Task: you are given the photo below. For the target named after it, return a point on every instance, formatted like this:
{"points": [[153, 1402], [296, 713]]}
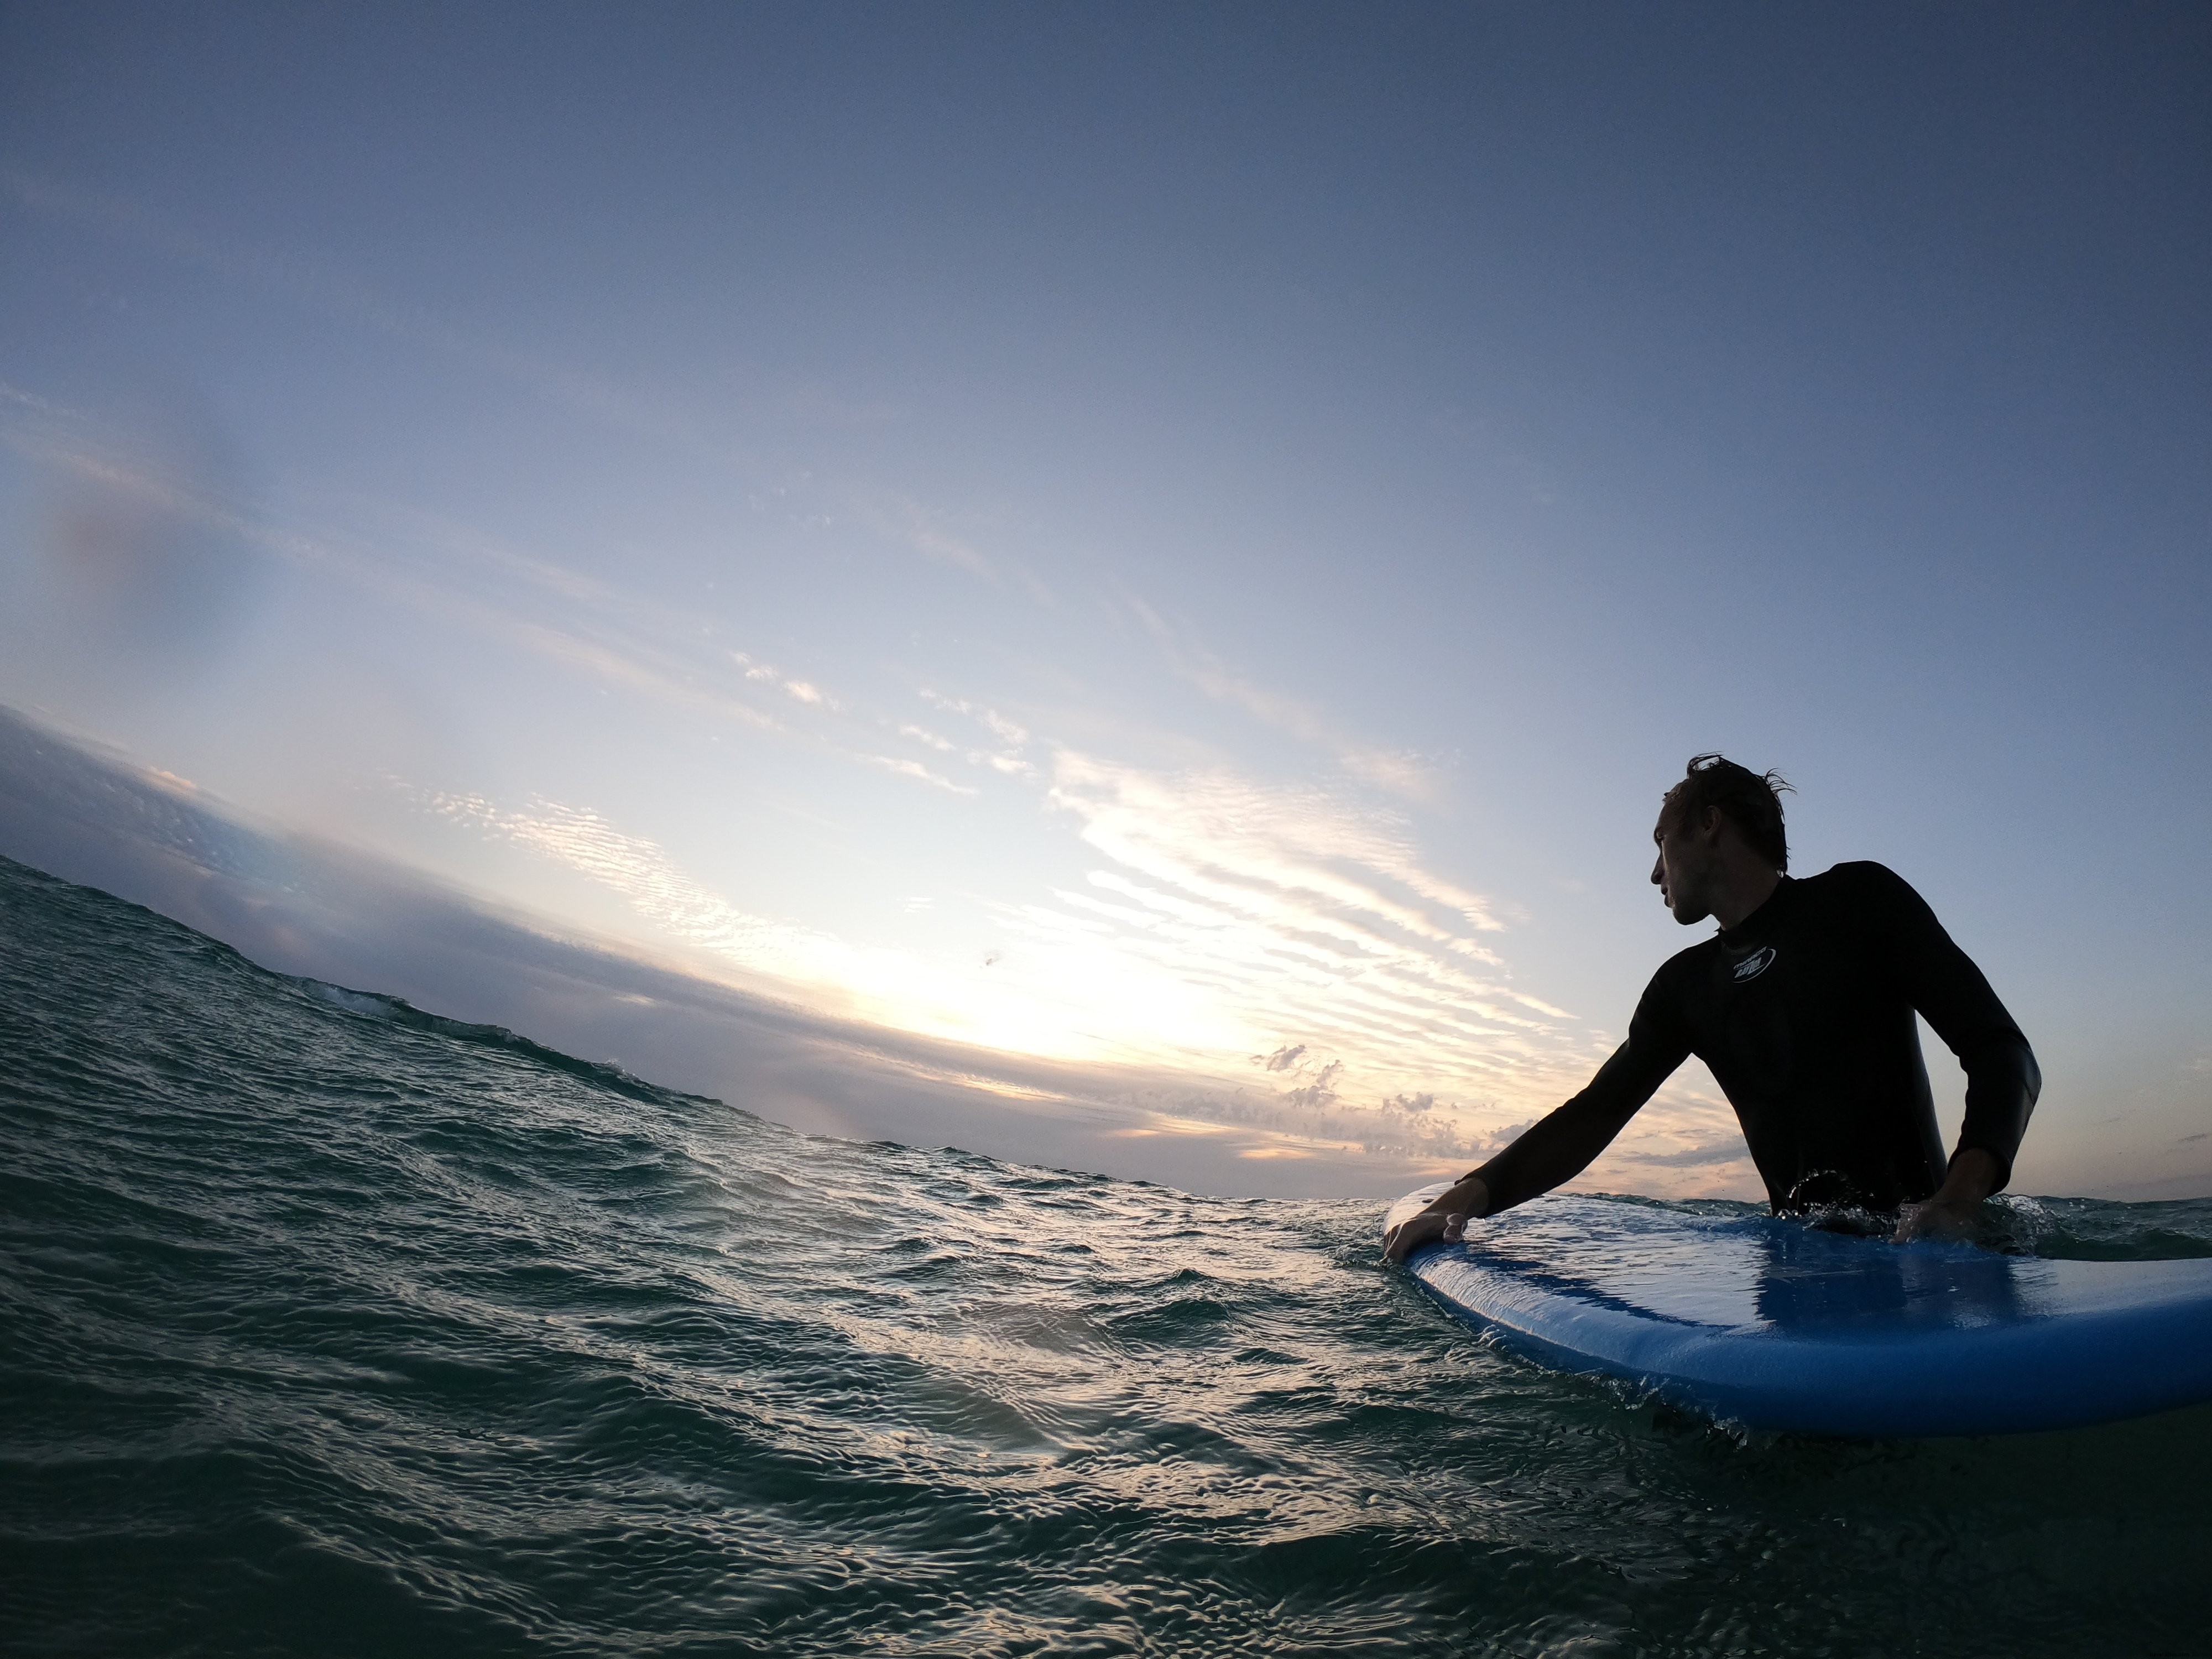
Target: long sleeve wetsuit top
{"points": [[1804, 1012]]}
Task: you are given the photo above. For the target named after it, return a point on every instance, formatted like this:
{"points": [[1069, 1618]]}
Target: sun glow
{"points": [[1221, 920]]}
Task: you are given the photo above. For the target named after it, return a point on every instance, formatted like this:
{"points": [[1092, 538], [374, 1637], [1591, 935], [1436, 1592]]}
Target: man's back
{"points": [[1804, 1013], [1803, 1007]]}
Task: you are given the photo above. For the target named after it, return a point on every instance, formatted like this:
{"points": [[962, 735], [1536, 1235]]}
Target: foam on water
{"points": [[328, 1326]]}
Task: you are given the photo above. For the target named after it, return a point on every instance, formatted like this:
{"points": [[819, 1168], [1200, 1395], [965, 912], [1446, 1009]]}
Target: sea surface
{"points": [[329, 1327]]}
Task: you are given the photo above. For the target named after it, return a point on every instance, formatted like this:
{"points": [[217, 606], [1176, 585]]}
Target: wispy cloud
{"points": [[1282, 933], [456, 576], [1006, 758], [1399, 771], [797, 690], [320, 286], [902, 767], [922, 735], [1297, 926], [943, 537], [908, 521], [585, 842], [1728, 1150], [308, 908], [1221, 917], [1224, 911]]}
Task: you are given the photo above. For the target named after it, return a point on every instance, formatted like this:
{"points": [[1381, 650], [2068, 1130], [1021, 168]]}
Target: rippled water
{"points": [[330, 1327]]}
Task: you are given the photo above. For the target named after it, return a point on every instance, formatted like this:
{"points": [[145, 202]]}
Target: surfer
{"points": [[1802, 1006]]}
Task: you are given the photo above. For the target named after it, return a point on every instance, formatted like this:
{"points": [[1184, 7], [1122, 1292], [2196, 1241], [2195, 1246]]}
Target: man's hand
{"points": [[1446, 1218], [1951, 1211]]}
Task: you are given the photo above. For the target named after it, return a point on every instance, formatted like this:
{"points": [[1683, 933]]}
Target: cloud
{"points": [[922, 735], [950, 549], [1222, 911], [906, 521], [798, 691], [456, 576], [309, 908], [1008, 759], [1301, 921], [638, 870], [1217, 916], [1114, 1054], [906, 768], [1731, 1150], [597, 632], [1399, 771], [1325, 1125]]}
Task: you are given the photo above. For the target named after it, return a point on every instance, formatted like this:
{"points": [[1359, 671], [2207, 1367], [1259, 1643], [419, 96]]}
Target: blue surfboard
{"points": [[1771, 1324]]}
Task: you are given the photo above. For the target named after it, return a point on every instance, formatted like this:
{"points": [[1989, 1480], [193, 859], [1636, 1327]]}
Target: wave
{"points": [[397, 1011], [331, 1326]]}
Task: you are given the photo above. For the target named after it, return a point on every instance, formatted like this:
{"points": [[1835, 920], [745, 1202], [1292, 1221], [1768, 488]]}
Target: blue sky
{"points": [[1166, 537]]}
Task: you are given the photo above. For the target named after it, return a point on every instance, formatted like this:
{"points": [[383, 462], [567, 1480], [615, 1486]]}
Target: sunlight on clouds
{"points": [[1299, 916], [906, 768], [1007, 759], [1280, 946], [586, 844], [1077, 986], [910, 990], [1283, 945], [930, 739]]}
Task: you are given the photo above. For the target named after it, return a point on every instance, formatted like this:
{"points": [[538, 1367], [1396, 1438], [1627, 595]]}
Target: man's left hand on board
{"points": [[1953, 1210]]}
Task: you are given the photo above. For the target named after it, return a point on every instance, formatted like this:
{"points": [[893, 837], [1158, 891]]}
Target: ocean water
{"points": [[328, 1326]]}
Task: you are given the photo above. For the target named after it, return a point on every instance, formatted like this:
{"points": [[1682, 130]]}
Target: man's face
{"points": [[1685, 868]]}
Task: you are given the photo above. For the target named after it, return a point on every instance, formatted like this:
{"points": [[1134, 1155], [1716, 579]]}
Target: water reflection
{"points": [[1809, 1279]]}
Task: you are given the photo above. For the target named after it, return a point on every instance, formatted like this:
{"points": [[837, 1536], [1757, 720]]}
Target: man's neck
{"points": [[1743, 889]]}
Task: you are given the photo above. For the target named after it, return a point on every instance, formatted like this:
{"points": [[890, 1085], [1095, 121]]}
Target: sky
{"points": [[1177, 544]]}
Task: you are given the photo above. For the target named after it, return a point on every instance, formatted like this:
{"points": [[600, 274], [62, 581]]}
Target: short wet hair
{"points": [[1750, 800]]}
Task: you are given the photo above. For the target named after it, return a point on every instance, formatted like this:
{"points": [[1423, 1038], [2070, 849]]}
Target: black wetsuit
{"points": [[1804, 1013]]}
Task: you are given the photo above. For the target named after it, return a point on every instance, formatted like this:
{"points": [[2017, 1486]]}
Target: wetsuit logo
{"points": [[1755, 965]]}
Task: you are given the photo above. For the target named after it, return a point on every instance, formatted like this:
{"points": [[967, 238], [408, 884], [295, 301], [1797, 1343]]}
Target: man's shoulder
{"points": [[1854, 881], [1685, 964], [1866, 901], [1854, 873]]}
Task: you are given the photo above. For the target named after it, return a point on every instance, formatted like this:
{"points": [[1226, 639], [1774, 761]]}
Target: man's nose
{"points": [[1659, 871]]}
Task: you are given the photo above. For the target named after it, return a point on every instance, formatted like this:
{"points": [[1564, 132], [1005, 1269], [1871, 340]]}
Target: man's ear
{"points": [[1714, 822]]}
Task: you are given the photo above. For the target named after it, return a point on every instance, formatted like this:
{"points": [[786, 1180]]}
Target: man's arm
{"points": [[2003, 1079], [1557, 1147]]}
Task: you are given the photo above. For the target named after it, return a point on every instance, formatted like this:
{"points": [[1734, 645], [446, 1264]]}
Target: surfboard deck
{"points": [[1769, 1324]]}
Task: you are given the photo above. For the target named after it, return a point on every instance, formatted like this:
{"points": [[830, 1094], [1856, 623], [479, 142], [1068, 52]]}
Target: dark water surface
{"points": [[327, 1326]]}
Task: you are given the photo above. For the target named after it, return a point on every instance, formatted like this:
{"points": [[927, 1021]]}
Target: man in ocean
{"points": [[1802, 1006]]}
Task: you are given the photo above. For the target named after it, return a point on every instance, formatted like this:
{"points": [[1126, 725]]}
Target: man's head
{"points": [[1720, 836]]}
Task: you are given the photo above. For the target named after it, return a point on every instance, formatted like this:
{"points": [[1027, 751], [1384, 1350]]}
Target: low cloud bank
{"points": [[305, 906]]}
